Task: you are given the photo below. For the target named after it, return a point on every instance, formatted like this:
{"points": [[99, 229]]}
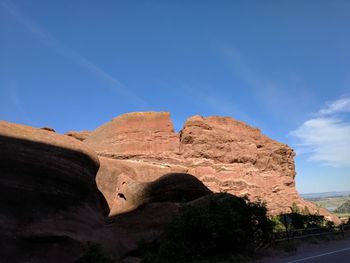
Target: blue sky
{"points": [[282, 66]]}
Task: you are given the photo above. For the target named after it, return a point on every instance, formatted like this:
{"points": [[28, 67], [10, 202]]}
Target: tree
{"points": [[306, 211], [218, 225], [295, 209]]}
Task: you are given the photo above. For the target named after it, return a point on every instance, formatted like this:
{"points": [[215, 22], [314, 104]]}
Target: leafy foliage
{"points": [[278, 226], [300, 221], [224, 224], [303, 219]]}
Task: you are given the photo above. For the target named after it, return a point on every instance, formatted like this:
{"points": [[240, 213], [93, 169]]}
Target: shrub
{"points": [[221, 225], [304, 219], [300, 221], [278, 226]]}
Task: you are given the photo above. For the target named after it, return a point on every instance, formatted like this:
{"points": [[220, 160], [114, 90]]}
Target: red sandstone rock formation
{"points": [[48, 129], [49, 204], [146, 134], [230, 156], [51, 208], [225, 154]]}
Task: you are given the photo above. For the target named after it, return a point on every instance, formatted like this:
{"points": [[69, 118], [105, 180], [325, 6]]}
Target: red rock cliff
{"points": [[225, 154]]}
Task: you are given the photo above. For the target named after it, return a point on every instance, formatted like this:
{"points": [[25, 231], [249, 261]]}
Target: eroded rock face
{"points": [[122, 181], [49, 204], [225, 154], [230, 156], [148, 134], [173, 187]]}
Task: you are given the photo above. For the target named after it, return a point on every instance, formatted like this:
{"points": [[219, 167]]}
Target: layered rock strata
{"points": [[225, 154]]}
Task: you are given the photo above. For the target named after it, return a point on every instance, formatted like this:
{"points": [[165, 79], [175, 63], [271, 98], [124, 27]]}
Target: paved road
{"points": [[331, 252]]}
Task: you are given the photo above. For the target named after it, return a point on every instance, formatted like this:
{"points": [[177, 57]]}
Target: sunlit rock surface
{"points": [[227, 155]]}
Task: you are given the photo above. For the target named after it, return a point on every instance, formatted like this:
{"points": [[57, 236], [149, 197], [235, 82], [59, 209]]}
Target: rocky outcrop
{"points": [[52, 211], [51, 208], [146, 134], [50, 205], [129, 194], [48, 129], [122, 181], [81, 136], [230, 156], [225, 154]]}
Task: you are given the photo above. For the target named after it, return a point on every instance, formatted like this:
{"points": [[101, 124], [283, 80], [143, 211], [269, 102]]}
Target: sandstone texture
{"points": [[147, 134], [49, 205], [173, 187], [227, 155]]}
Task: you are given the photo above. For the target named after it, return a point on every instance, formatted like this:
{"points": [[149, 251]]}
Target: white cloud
{"points": [[327, 137], [341, 105], [49, 40]]}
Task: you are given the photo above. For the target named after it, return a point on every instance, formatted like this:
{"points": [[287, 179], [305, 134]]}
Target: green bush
{"points": [[300, 221], [221, 225], [278, 225]]}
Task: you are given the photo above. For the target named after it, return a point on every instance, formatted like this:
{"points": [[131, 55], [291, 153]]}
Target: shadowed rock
{"points": [[49, 203], [173, 187], [142, 225], [158, 202]]}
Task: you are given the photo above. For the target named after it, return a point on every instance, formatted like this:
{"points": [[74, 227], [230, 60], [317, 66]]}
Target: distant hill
{"points": [[313, 196], [344, 208]]}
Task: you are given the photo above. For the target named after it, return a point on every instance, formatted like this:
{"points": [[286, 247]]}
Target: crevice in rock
{"points": [[121, 196]]}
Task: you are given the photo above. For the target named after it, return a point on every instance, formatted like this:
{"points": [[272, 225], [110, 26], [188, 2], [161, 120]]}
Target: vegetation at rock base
{"points": [[304, 219], [222, 225], [301, 219]]}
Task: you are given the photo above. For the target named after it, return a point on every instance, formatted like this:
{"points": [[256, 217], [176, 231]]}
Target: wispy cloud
{"points": [[327, 137], [273, 95], [49, 40], [338, 106]]}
